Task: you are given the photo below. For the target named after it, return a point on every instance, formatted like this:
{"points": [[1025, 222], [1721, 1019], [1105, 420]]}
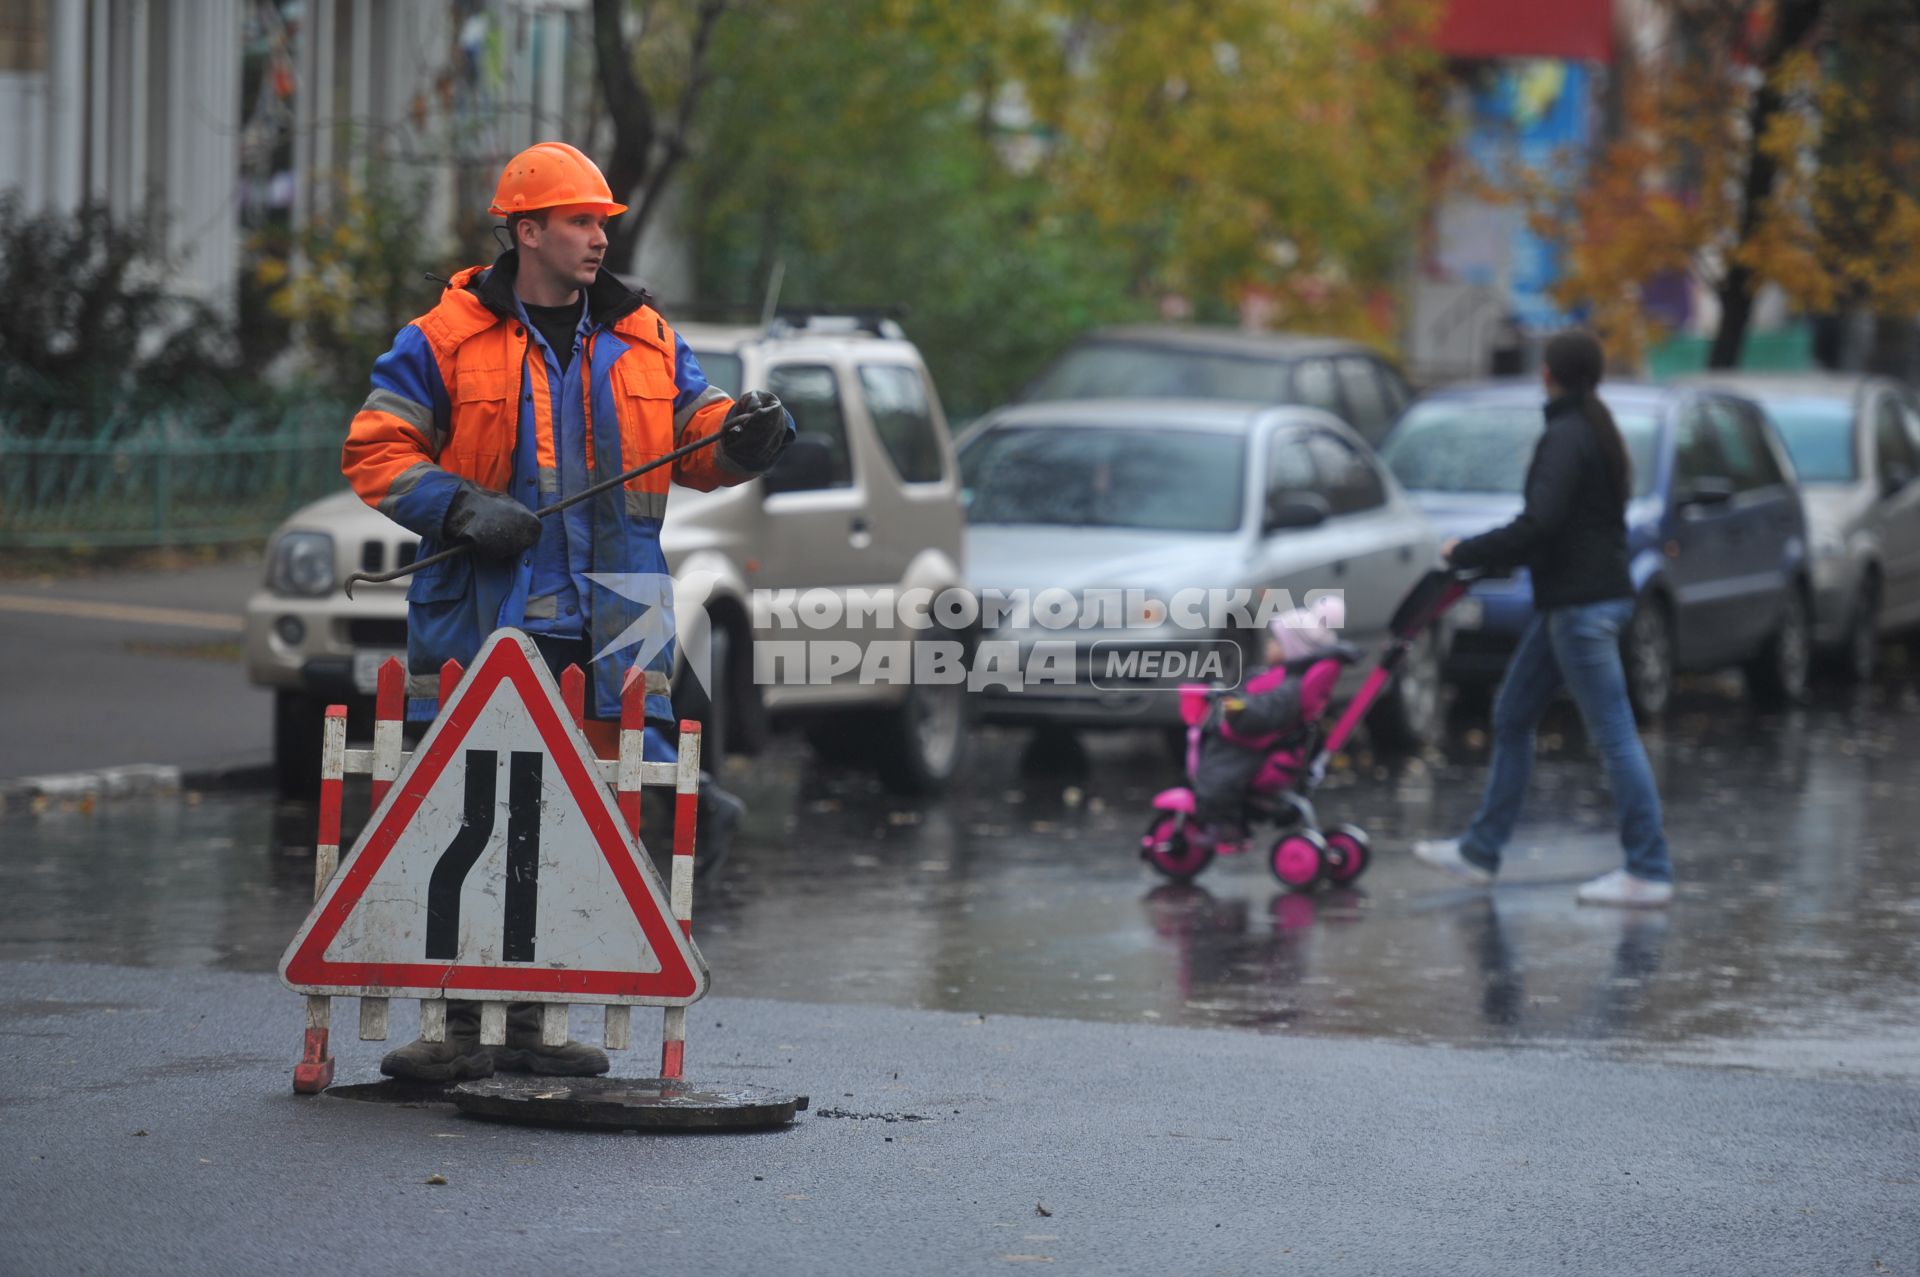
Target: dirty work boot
{"points": [[525, 1053], [460, 1058]]}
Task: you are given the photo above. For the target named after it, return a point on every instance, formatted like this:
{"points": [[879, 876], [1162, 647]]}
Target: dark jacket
{"points": [[1240, 731], [1572, 535]]}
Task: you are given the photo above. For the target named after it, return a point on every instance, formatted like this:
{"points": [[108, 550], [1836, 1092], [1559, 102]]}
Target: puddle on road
{"points": [[1792, 944]]}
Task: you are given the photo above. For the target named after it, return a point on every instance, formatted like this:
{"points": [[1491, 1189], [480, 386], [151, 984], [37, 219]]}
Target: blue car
{"points": [[1716, 537]]}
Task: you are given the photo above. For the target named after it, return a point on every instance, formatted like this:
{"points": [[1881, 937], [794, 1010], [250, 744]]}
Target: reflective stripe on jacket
{"points": [[449, 401]]}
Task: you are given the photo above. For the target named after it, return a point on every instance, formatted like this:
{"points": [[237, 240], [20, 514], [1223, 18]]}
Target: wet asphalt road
{"points": [[1794, 944], [1022, 1049]]}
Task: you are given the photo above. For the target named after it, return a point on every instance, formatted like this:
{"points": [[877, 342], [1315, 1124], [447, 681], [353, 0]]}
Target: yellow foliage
{"points": [[1667, 195], [1269, 145]]}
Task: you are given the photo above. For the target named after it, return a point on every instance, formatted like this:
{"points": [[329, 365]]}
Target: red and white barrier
{"points": [[628, 774]]}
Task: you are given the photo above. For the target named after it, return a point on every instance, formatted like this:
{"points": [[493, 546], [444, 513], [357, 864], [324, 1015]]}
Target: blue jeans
{"points": [[1580, 646]]}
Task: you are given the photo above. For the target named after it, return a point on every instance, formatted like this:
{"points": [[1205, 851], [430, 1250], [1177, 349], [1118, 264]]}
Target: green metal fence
{"points": [[191, 471]]}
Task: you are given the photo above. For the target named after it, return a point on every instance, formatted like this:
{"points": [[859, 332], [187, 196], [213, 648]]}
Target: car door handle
{"points": [[1338, 568], [1406, 554], [859, 533]]}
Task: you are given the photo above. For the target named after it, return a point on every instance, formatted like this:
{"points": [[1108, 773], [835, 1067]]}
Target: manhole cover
{"points": [[626, 1104]]}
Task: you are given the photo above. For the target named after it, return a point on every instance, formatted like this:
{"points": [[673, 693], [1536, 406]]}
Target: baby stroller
{"points": [[1179, 845]]}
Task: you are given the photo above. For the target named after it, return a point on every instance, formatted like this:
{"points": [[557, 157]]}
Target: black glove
{"points": [[755, 433], [498, 526]]}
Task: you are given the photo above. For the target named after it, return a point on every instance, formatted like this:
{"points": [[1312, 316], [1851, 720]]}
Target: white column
{"points": [[99, 99], [179, 42], [215, 143], [550, 112], [303, 61], [66, 105], [326, 35], [359, 86], [139, 57]]}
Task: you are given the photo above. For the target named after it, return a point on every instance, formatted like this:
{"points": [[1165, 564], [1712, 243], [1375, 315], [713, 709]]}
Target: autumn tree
{"points": [[651, 58], [1269, 144], [1015, 171], [1770, 142]]}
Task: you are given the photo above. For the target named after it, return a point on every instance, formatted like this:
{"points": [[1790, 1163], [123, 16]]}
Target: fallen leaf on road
{"points": [[140, 1132], [1042, 1211], [436, 1179]]}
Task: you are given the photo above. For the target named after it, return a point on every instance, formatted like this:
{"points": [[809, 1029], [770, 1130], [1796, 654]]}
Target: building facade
{"points": [[236, 115]]}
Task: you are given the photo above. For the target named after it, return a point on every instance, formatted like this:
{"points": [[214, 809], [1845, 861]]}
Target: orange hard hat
{"points": [[548, 175]]}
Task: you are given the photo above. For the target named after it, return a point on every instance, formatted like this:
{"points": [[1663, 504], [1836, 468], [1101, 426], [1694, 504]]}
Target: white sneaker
{"points": [[1623, 889], [1444, 854]]}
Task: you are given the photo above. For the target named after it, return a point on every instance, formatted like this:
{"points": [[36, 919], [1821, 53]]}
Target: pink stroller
{"points": [[1180, 845]]}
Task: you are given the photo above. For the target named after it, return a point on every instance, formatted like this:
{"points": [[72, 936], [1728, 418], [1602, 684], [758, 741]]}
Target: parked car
{"points": [[1163, 497], [867, 498], [1716, 537], [1855, 442], [1171, 361]]}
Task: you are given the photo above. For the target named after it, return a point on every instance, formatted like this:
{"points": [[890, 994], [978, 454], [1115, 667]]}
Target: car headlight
{"points": [[302, 564]]}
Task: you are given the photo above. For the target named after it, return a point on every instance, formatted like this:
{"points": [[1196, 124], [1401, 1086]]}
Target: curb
{"points": [[133, 780]]}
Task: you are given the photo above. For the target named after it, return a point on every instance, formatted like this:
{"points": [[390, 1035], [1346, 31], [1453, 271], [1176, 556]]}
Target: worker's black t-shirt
{"points": [[557, 325]]}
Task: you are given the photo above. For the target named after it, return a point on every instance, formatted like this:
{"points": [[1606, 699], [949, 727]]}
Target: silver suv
{"points": [[865, 504]]}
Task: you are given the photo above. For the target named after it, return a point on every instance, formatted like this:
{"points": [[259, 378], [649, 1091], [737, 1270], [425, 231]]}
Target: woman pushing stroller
{"points": [[1572, 539]]}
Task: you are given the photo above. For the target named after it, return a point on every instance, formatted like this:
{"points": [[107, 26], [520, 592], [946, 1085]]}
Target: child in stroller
{"points": [[1255, 741], [1260, 761], [1254, 754]]}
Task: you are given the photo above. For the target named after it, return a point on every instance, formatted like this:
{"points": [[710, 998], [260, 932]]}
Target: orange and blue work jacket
{"points": [[469, 392]]}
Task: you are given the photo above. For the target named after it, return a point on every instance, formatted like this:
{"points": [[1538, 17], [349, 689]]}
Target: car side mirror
{"points": [[805, 466], [1296, 510], [1707, 490]]}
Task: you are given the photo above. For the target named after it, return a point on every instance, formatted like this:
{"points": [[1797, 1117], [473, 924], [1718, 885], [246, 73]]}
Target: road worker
{"points": [[529, 380]]}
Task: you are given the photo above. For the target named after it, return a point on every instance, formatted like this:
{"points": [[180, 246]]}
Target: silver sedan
{"points": [[1855, 443], [1195, 522]]}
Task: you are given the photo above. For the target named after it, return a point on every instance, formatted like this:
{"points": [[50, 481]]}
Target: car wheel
{"points": [[920, 745], [298, 720], [1778, 675], [1646, 654], [1408, 716], [1862, 653]]}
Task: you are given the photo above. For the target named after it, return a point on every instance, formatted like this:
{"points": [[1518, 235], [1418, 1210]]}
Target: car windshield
{"points": [[1121, 370], [1819, 437], [722, 370], [1106, 477], [1469, 447]]}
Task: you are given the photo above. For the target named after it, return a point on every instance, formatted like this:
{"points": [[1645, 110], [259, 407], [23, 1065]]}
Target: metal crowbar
{"points": [[574, 500]]}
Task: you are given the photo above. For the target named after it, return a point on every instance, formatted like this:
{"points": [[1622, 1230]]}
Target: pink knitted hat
{"points": [[1304, 631]]}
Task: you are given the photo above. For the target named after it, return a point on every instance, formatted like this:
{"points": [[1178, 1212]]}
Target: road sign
{"points": [[498, 867]]}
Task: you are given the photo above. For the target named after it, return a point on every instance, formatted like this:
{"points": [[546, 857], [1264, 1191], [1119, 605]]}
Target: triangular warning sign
{"points": [[498, 867]]}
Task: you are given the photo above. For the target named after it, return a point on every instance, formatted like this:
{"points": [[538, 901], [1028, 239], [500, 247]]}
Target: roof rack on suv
{"points": [[880, 321]]}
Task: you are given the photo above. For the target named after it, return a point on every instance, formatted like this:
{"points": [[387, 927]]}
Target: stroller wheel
{"points": [[1349, 853], [1299, 859], [1167, 848]]}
